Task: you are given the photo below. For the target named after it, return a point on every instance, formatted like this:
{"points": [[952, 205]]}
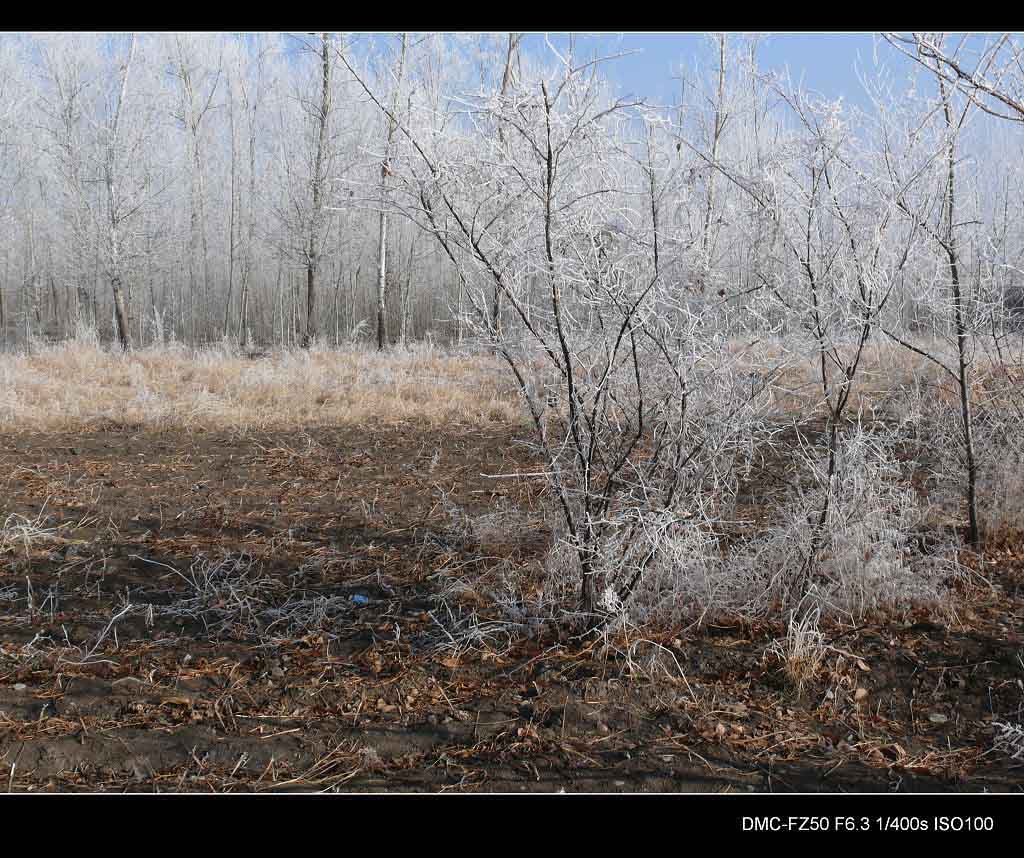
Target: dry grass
{"points": [[76, 385], [803, 650], [885, 372]]}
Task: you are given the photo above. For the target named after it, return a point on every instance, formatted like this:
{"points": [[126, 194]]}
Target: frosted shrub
{"points": [[858, 559], [931, 420], [862, 558], [686, 580], [999, 442], [665, 570]]}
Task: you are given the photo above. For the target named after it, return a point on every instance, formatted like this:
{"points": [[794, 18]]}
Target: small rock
{"points": [[860, 694], [20, 686], [937, 718]]}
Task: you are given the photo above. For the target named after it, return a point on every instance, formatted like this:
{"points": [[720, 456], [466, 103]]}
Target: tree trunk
{"points": [[706, 247], [316, 214], [243, 310], [963, 362], [121, 314], [511, 56], [382, 232], [382, 257], [231, 215]]}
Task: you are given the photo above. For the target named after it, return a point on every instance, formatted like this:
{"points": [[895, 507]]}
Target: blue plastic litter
{"points": [[360, 599]]}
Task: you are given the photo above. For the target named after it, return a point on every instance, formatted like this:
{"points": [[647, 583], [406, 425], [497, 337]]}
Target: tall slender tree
{"points": [[390, 124], [318, 211]]}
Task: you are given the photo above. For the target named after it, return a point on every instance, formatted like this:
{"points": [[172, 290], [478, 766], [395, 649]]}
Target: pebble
{"points": [[20, 686], [937, 718]]}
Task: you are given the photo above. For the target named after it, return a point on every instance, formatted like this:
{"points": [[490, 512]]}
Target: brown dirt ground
{"points": [[192, 696]]}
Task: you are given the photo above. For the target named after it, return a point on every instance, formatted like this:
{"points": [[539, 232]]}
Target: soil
{"points": [[301, 620]]}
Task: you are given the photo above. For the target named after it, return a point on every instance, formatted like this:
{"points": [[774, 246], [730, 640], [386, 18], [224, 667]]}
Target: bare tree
{"points": [[846, 252], [637, 417], [943, 230], [198, 88], [318, 209], [391, 126], [989, 74], [718, 127], [251, 94], [115, 208], [512, 66]]}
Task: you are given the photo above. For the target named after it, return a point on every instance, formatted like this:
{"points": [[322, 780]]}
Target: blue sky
{"points": [[826, 61]]}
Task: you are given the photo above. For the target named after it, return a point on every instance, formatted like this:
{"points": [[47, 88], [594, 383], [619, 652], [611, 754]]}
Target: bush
{"points": [[863, 559]]}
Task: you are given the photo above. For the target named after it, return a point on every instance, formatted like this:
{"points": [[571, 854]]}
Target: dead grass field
{"points": [[209, 580], [77, 386]]}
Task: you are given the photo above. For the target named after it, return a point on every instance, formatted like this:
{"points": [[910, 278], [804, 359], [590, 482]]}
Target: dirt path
{"points": [[304, 611]]}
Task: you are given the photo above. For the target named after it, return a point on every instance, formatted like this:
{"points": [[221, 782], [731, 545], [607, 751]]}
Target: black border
{"points": [[492, 822]]}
